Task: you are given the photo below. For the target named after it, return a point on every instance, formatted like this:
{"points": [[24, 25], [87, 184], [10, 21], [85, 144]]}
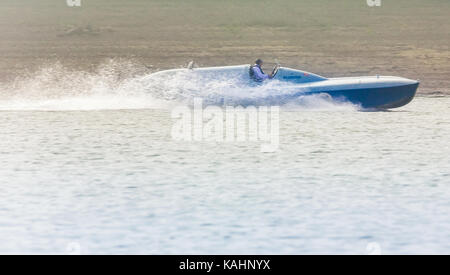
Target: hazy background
{"points": [[407, 38]]}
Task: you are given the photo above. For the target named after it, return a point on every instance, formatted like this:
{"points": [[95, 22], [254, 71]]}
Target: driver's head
{"points": [[259, 62]]}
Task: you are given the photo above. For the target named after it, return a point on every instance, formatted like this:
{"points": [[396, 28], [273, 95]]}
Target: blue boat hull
{"points": [[377, 98], [366, 98]]}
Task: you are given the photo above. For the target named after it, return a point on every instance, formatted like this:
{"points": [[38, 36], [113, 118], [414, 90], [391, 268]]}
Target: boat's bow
{"points": [[382, 92]]}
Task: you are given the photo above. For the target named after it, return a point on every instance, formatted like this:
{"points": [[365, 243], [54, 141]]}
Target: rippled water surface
{"points": [[113, 181]]}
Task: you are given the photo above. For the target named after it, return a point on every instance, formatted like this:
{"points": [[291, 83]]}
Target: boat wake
{"points": [[124, 85]]}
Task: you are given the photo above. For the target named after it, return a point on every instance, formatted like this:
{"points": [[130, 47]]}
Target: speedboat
{"points": [[368, 92]]}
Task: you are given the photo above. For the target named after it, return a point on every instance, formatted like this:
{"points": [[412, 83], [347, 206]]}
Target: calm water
{"points": [[114, 182]]}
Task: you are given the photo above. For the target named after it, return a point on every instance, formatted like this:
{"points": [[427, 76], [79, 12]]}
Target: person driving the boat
{"points": [[257, 73]]}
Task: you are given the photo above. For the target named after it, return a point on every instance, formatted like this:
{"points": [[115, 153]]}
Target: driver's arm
{"points": [[259, 75]]}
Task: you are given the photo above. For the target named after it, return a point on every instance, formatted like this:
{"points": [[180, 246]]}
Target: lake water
{"points": [[114, 181]]}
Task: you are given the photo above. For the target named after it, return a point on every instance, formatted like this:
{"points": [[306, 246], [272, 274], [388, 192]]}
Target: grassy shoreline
{"points": [[332, 38]]}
